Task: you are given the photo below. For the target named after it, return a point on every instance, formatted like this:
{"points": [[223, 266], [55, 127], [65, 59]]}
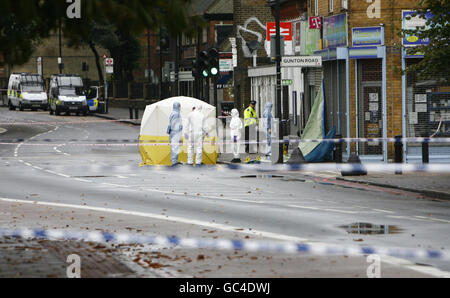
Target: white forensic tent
{"points": [[154, 140]]}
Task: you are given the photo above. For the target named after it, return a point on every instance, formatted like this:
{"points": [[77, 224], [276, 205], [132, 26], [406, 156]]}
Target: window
{"points": [[205, 35], [223, 32], [330, 5]]}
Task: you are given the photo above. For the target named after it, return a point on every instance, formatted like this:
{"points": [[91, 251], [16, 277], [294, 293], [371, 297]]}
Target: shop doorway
{"points": [[370, 118]]}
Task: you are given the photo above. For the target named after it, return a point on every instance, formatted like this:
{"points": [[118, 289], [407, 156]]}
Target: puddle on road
{"points": [[362, 228]]}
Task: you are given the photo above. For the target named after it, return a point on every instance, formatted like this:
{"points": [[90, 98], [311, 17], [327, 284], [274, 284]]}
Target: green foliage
{"points": [[36, 19], [436, 62]]}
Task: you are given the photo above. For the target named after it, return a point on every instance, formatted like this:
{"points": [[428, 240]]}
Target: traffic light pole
{"points": [[215, 96], [278, 60]]}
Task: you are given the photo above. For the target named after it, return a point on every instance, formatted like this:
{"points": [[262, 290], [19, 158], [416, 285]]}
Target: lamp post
{"points": [[278, 62]]}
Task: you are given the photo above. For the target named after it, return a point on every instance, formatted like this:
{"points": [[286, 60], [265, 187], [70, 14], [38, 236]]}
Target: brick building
{"points": [[250, 18], [366, 96]]}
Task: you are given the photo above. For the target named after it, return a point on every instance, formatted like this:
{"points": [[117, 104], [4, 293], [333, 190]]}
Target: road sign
{"points": [[104, 56], [285, 30], [109, 62], [286, 82], [301, 61], [109, 69], [39, 65]]}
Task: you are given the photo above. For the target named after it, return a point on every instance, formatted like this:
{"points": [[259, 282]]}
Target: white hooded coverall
{"points": [[236, 128], [196, 130]]}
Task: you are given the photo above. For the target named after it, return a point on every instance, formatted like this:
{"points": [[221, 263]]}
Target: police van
{"points": [[27, 91], [93, 98], [67, 95]]}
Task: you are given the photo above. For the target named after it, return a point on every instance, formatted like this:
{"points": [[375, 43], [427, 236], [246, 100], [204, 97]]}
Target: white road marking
{"points": [[432, 218], [115, 185], [406, 217], [304, 207], [82, 180], [341, 211], [223, 227], [412, 266], [384, 211]]}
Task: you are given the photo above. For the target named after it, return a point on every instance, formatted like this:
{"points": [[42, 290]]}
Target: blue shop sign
{"points": [[411, 20], [368, 36]]}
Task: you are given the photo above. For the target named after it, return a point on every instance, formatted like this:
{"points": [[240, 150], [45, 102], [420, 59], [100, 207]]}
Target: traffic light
{"points": [[195, 68], [204, 64], [213, 62], [207, 64]]}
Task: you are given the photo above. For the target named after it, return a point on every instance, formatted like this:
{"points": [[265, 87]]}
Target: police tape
{"points": [[125, 142], [224, 244], [264, 169]]}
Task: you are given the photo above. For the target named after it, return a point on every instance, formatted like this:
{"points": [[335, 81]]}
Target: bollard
{"points": [[398, 146], [338, 150], [136, 113], [425, 152], [131, 112]]}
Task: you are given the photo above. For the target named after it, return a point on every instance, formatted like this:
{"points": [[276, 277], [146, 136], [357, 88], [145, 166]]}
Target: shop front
{"points": [[425, 103], [369, 54]]}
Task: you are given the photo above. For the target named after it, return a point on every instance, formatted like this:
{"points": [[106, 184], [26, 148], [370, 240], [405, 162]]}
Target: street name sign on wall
{"points": [[301, 61]]}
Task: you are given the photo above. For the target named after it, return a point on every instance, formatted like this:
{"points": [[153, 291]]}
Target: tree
{"points": [[93, 35], [44, 17], [436, 61], [17, 39]]}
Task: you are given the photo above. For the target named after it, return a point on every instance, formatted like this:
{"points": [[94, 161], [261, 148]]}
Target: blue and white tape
{"points": [[263, 167], [225, 244], [134, 142]]}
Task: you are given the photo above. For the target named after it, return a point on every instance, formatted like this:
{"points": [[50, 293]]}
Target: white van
{"points": [[27, 91], [66, 94]]}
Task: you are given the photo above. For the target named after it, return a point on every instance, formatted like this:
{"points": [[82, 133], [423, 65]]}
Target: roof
{"points": [[220, 7], [199, 7]]}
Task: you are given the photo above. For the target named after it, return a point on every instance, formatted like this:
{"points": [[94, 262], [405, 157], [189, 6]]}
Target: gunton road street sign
{"points": [[301, 61]]}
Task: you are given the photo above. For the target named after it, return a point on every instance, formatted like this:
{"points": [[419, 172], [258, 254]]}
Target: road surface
{"points": [[54, 177]]}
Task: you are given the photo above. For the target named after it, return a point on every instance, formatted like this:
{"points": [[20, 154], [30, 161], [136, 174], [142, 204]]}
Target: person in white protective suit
{"points": [[175, 130], [236, 132], [267, 124], [196, 131]]}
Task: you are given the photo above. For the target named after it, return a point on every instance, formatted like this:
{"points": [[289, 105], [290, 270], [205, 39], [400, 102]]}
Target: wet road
{"points": [[51, 165]]}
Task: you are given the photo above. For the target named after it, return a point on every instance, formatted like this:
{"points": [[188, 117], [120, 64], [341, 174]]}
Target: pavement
{"points": [[427, 184], [122, 114]]}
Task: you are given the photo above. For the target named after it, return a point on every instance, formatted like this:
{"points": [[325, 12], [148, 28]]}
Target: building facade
{"points": [[366, 95]]}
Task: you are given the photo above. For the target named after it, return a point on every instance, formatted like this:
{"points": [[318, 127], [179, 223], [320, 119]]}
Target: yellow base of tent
{"points": [[153, 154]]}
